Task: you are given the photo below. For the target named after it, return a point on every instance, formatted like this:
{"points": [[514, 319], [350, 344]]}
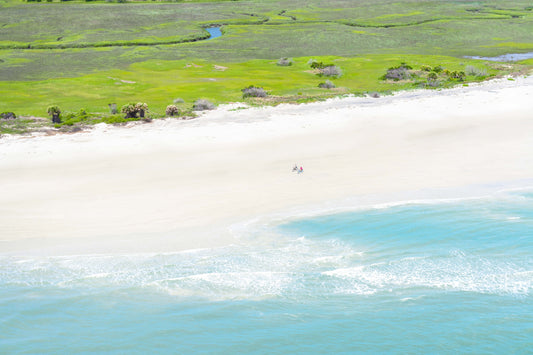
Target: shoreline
{"points": [[176, 185]]}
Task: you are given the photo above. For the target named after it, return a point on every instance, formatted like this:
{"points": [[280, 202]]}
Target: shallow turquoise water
{"points": [[442, 277]]}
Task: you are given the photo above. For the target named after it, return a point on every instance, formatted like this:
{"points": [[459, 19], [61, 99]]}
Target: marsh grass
{"points": [[158, 83], [363, 38]]}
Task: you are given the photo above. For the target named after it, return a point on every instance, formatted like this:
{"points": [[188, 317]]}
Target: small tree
{"points": [[172, 110], [55, 112]]}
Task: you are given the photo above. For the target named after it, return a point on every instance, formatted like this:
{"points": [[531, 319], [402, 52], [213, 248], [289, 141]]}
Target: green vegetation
{"points": [[90, 55]]}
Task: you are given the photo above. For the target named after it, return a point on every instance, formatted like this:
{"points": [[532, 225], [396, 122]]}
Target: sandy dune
{"points": [[172, 185]]}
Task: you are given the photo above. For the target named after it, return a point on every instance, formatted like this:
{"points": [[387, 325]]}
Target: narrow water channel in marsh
{"points": [[214, 32]]}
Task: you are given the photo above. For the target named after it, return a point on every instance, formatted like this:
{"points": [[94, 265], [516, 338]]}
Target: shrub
{"points": [[318, 65], [178, 100], [471, 70], [331, 70], [252, 91], [432, 76], [8, 115], [55, 112], [326, 85], [437, 69], [129, 110], [172, 110], [202, 104], [400, 72], [141, 108], [285, 62], [459, 75], [425, 68], [132, 110]]}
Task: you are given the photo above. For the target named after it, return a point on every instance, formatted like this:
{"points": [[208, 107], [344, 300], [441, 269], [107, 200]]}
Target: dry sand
{"points": [[173, 185]]}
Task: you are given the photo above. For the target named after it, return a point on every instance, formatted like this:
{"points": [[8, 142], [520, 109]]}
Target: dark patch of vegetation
{"points": [[55, 112], [253, 91], [8, 116], [132, 110], [319, 65]]}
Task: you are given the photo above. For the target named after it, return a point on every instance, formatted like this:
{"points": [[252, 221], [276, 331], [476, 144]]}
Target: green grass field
{"points": [[89, 54]]}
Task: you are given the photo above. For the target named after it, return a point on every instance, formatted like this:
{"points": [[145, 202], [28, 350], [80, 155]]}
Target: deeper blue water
{"points": [[441, 277]]}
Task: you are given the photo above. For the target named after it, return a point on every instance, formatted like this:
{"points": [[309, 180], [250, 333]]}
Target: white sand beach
{"points": [[173, 184]]}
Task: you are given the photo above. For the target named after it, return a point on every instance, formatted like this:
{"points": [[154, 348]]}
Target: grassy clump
{"points": [[475, 71]]}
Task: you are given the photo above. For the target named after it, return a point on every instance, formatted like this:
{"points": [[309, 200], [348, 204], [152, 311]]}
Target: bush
{"points": [[202, 105], [252, 91], [326, 85], [172, 110], [459, 75], [178, 100], [132, 110], [285, 62], [471, 70], [55, 112], [331, 70], [432, 76], [437, 69], [318, 65], [425, 68], [8, 115], [400, 72]]}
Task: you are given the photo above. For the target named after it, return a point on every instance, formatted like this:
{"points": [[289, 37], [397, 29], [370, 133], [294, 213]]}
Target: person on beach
{"points": [[295, 168], [301, 170]]}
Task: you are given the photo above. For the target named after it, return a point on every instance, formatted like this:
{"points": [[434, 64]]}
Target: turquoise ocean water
{"points": [[434, 277]]}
